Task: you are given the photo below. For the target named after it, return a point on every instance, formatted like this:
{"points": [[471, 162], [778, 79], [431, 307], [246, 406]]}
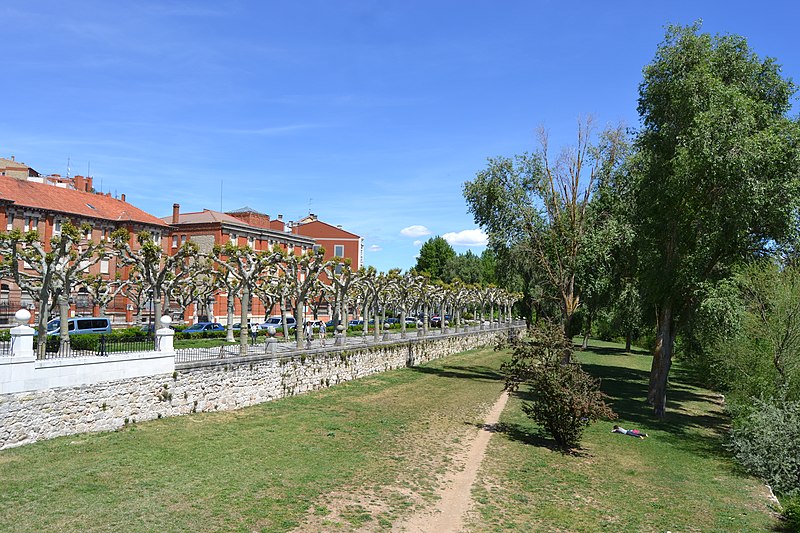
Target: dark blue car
{"points": [[204, 326]]}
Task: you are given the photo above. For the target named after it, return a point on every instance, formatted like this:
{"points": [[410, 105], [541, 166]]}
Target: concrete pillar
{"points": [[165, 335]]}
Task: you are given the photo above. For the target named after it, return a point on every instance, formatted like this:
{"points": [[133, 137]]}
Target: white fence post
{"points": [[22, 335], [165, 336]]}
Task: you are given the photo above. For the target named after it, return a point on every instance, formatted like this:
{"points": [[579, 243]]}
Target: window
{"points": [[233, 238], [27, 226], [104, 266], [10, 225], [183, 240], [315, 247], [174, 241], [157, 238], [88, 233], [251, 242], [57, 226], [35, 223], [338, 250]]}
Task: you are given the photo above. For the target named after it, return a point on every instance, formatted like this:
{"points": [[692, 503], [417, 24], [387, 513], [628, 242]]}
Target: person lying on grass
{"points": [[631, 432]]}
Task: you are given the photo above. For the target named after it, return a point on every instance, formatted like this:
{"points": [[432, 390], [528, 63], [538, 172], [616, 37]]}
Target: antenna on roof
{"points": [[67, 166], [309, 205], [88, 169]]}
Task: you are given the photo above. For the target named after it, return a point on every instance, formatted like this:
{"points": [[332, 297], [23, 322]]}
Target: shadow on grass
{"points": [[627, 392], [464, 372], [523, 434]]}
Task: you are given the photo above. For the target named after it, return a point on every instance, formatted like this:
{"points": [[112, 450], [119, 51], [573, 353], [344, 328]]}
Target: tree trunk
{"points": [[586, 333], [566, 357], [63, 314], [156, 311], [628, 341], [231, 309], [244, 331], [662, 361]]}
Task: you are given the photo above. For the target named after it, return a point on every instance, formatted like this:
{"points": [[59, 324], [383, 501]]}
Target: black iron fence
{"points": [[96, 345]]}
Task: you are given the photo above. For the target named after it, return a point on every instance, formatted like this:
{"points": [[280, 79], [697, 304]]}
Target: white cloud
{"points": [[467, 237], [415, 231], [418, 243], [374, 248]]}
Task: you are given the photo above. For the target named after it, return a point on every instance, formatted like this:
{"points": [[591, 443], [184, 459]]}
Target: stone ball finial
{"points": [[22, 316], [166, 320], [271, 331], [386, 325], [340, 328]]}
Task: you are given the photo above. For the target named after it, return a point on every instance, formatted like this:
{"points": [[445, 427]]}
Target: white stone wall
{"points": [[218, 385]]}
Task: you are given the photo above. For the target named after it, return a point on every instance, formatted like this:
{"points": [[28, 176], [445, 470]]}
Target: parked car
{"points": [[413, 321], [355, 323], [237, 326], [392, 320], [204, 326], [436, 320], [80, 326], [277, 322]]}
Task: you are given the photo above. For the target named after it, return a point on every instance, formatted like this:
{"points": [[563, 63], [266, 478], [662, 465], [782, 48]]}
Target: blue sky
{"points": [[369, 114]]}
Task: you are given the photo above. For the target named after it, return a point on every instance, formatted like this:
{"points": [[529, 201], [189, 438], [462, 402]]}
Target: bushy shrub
{"points": [[791, 512], [564, 399], [766, 440]]}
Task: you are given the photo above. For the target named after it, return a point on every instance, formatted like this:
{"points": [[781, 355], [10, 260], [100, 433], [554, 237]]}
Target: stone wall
{"points": [[216, 385]]}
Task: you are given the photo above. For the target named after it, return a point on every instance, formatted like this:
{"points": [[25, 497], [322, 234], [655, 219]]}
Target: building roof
{"points": [[246, 209], [318, 229], [207, 216], [72, 202]]}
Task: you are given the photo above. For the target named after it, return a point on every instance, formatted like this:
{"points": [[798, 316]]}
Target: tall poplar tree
{"points": [[717, 169]]}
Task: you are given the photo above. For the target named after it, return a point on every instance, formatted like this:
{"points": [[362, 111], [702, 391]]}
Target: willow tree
{"points": [[717, 170], [541, 202]]}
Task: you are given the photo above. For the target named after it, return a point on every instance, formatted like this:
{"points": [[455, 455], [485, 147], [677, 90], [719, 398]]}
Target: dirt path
{"points": [[456, 494]]}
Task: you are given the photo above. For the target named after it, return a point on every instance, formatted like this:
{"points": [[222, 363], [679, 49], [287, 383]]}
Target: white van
{"points": [[80, 326]]}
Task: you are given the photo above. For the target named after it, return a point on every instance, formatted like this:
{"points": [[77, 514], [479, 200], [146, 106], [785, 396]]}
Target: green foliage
{"points": [[564, 399], [746, 333], [766, 439], [434, 256], [716, 168], [791, 512]]}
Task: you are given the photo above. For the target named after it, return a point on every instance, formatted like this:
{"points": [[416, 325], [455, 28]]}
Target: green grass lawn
{"points": [[678, 479], [365, 453]]}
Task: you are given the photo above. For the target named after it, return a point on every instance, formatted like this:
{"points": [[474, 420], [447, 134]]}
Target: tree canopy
{"points": [[716, 166]]}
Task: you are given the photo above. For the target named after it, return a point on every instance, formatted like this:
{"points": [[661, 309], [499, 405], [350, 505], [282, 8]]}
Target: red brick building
{"points": [[32, 201], [336, 241], [31, 204]]}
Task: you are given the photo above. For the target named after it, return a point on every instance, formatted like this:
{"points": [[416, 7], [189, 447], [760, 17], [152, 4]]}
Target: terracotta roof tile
{"points": [[72, 202]]}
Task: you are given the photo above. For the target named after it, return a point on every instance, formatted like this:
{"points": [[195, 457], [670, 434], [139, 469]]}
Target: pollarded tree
{"points": [[246, 266], [50, 270], [158, 269], [341, 277], [300, 274], [717, 167], [103, 291]]}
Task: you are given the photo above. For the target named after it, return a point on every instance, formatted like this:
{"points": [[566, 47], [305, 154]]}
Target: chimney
{"points": [[176, 210], [280, 217], [122, 197], [78, 183], [12, 158], [88, 184]]}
